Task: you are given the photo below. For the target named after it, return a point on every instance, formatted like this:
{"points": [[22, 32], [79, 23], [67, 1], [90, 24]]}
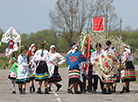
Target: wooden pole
{"points": [[120, 26], [98, 16]]}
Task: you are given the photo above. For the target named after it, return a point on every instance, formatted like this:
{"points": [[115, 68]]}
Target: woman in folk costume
{"points": [[94, 74], [13, 70], [22, 72], [128, 74], [74, 58], [41, 57], [108, 83], [30, 55], [54, 76]]}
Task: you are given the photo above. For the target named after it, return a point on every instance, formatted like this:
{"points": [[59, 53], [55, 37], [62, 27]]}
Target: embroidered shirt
{"points": [[93, 56], [38, 57]]}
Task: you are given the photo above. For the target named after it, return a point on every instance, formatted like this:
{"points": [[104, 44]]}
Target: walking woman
{"points": [[128, 74], [32, 68], [41, 57], [53, 67], [22, 72], [13, 70], [74, 58]]}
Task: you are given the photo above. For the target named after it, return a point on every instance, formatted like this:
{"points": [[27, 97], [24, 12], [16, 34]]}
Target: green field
{"points": [[4, 62]]}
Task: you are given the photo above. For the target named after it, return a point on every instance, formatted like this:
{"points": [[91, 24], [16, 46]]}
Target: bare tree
{"points": [[111, 20], [70, 16]]}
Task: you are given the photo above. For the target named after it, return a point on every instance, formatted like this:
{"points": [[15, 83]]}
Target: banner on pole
{"points": [[98, 24]]}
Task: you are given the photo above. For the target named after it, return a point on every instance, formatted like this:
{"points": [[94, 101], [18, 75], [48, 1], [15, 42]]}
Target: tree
{"points": [[70, 16], [105, 7]]}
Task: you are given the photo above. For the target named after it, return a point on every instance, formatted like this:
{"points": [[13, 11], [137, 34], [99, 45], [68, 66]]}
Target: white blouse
{"points": [[128, 55], [93, 56], [38, 57], [54, 57]]}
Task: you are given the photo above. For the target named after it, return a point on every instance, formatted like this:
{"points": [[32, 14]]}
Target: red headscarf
{"points": [[29, 53]]}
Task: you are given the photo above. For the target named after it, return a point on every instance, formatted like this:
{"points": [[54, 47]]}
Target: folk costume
{"points": [[42, 73], [54, 76], [95, 76], [128, 74], [23, 71], [74, 58], [41, 57], [13, 69], [32, 68], [13, 72]]}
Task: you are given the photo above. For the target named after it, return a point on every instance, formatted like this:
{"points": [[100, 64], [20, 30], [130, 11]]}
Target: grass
{"points": [[4, 62], [63, 65]]}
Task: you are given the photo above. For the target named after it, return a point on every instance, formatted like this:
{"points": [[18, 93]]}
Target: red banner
{"points": [[98, 24]]}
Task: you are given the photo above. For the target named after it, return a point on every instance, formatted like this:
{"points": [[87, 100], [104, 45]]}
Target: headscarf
{"points": [[29, 53]]}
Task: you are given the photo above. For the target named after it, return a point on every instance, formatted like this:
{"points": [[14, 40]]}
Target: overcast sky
{"points": [[28, 16]]}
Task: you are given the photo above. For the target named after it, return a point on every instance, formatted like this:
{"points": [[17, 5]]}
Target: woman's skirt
{"points": [[55, 77], [129, 73], [22, 76], [74, 76], [41, 71], [32, 71], [12, 76], [109, 81]]}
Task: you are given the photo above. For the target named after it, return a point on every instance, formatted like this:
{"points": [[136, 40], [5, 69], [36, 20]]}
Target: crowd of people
{"points": [[42, 66]]}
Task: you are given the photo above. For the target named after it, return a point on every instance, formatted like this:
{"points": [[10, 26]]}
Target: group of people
{"points": [[42, 65]]}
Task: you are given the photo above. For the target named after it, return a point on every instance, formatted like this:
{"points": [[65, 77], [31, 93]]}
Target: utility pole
{"points": [[120, 26]]}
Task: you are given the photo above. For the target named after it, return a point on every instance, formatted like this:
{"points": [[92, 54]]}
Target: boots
{"points": [[20, 90], [109, 91], [58, 87], [24, 91], [104, 91], [113, 89], [127, 89], [49, 89], [31, 90], [46, 92], [39, 91], [123, 91]]}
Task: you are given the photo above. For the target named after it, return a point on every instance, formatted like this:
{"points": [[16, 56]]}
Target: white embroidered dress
{"points": [[53, 58], [23, 71]]}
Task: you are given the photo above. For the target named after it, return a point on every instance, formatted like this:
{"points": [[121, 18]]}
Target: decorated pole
{"points": [[87, 52]]}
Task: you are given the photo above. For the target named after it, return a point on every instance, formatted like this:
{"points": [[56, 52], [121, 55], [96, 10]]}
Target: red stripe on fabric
{"points": [[130, 73], [74, 76]]}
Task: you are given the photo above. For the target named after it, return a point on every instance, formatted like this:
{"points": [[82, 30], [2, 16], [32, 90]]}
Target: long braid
{"points": [[42, 52]]}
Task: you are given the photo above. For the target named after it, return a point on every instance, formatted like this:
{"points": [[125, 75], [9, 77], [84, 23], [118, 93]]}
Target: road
{"points": [[62, 95]]}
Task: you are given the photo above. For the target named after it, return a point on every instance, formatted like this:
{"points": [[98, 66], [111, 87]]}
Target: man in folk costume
{"points": [[54, 76], [22, 72], [32, 68], [94, 73], [41, 57], [74, 58], [128, 74], [13, 70]]}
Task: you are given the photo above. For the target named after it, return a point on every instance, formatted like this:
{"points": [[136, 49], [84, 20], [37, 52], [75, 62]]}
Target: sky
{"points": [[28, 16]]}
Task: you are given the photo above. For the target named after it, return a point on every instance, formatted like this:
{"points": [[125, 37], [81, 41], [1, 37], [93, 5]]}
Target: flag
{"points": [[98, 24]]}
